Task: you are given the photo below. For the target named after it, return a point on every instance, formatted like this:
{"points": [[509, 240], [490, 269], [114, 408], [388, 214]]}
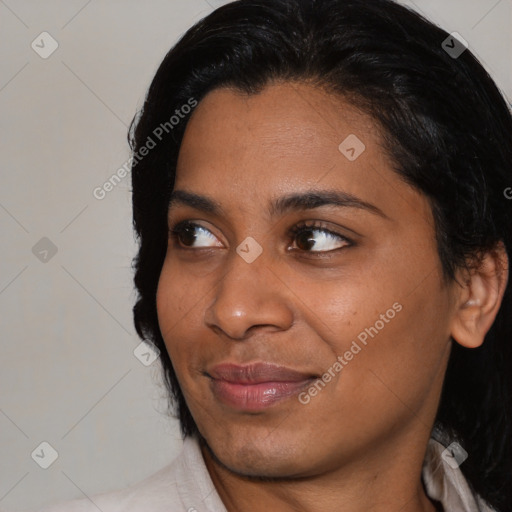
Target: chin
{"points": [[259, 455]]}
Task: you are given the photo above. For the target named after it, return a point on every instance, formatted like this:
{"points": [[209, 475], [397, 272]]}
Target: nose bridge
{"points": [[248, 294]]}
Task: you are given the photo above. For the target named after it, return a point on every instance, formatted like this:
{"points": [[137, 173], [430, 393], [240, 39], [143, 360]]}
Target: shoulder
{"points": [[178, 486], [153, 494]]}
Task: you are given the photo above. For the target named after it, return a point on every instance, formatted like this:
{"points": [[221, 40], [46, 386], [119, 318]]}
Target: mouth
{"points": [[256, 386]]}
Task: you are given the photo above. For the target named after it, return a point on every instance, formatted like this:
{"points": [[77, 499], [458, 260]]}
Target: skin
{"points": [[361, 440]]}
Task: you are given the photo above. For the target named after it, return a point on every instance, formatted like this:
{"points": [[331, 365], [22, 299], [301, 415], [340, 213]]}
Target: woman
{"points": [[319, 192]]}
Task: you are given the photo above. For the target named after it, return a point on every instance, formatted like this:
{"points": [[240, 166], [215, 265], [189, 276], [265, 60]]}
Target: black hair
{"points": [[447, 129]]}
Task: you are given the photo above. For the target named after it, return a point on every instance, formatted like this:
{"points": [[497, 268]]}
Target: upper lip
{"points": [[256, 373]]}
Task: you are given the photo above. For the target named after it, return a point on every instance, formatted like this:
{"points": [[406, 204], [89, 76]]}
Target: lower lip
{"points": [[255, 397]]}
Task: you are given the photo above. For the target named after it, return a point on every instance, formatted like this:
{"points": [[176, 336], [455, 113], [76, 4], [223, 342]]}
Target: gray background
{"points": [[68, 373]]}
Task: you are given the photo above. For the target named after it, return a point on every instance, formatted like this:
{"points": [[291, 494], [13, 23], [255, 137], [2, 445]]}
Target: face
{"points": [[304, 332]]}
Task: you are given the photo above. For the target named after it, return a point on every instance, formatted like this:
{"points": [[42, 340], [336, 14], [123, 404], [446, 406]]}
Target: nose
{"points": [[249, 295]]}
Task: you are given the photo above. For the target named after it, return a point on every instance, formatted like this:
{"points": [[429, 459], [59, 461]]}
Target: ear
{"points": [[480, 298]]}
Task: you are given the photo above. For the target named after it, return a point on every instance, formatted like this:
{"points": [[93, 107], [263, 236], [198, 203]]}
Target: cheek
{"points": [[181, 299], [401, 356], [177, 300], [341, 308], [182, 292], [390, 324]]}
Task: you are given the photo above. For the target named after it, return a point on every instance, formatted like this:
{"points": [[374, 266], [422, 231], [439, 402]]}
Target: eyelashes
{"points": [[186, 229], [328, 235], [313, 237]]}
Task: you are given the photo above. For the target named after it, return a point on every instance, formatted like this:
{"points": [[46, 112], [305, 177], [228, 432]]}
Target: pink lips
{"points": [[256, 386]]}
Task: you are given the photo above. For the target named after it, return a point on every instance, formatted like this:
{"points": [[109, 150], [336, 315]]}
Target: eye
{"points": [[187, 233], [324, 241]]}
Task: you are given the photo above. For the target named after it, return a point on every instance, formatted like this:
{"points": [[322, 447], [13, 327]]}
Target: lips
{"points": [[256, 386], [256, 373]]}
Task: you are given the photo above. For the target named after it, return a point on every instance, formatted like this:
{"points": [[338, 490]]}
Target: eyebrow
{"points": [[281, 205]]}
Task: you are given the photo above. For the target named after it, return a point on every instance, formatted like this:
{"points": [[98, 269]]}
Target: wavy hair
{"points": [[447, 129]]}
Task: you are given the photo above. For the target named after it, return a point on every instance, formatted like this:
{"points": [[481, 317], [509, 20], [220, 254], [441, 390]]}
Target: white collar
{"points": [[445, 482]]}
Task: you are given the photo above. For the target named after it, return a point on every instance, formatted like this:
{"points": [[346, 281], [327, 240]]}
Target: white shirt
{"points": [[185, 486]]}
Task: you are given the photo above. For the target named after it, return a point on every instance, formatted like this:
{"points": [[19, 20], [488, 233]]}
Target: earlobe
{"points": [[480, 299]]}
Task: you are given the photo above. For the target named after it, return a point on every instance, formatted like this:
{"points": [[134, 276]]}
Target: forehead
{"points": [[244, 150], [283, 114], [284, 131]]}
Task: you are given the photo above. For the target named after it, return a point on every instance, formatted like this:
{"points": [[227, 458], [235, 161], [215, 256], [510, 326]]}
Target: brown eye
{"points": [[315, 238], [305, 241], [186, 234]]}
